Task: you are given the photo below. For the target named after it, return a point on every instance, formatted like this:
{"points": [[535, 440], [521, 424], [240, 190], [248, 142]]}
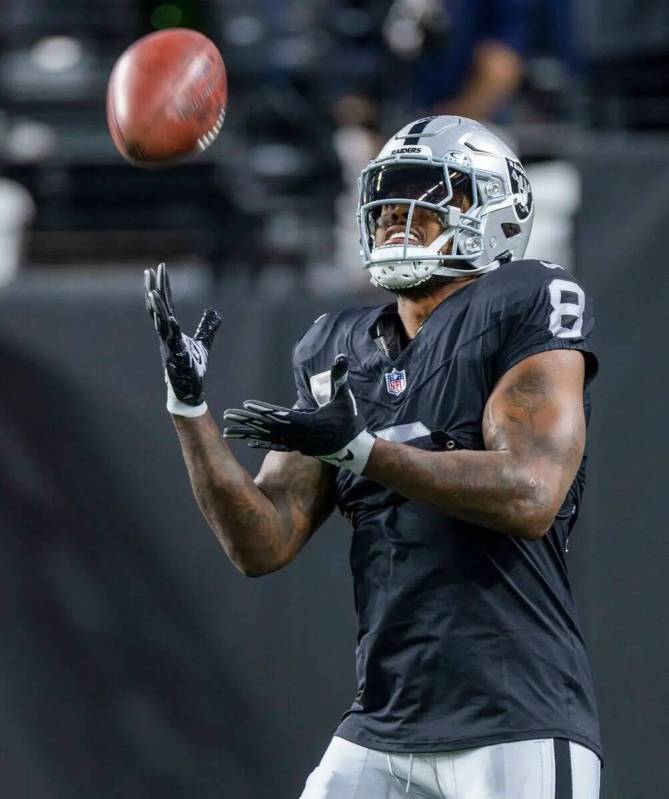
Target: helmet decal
{"points": [[417, 149], [413, 134], [520, 189]]}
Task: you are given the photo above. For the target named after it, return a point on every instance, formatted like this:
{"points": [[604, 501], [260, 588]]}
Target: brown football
{"points": [[166, 97]]}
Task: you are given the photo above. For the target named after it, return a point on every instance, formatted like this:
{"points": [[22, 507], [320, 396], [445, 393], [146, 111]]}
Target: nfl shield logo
{"points": [[396, 382]]}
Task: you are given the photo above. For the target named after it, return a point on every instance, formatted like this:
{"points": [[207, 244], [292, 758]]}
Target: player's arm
{"points": [[534, 432], [261, 524], [496, 73]]}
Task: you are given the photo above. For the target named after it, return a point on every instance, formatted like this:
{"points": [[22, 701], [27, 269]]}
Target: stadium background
{"points": [[135, 660]]}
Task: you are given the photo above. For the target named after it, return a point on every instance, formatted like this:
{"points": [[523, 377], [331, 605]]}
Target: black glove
{"points": [[184, 358], [335, 433]]}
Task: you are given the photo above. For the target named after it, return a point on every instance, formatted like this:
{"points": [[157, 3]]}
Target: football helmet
{"points": [[427, 164]]}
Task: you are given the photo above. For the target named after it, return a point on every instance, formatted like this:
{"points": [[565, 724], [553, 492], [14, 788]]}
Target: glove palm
{"points": [[335, 433]]}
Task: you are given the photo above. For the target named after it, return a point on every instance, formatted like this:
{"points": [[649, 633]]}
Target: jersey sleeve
{"points": [[305, 362], [305, 400], [552, 312]]}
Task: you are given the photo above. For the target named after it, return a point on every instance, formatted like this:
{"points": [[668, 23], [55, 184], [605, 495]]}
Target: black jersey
{"points": [[466, 637]]}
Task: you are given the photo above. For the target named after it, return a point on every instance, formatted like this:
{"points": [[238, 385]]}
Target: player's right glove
{"points": [[184, 358], [335, 433]]}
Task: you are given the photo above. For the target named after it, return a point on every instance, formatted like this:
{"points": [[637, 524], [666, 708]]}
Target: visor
{"points": [[432, 185]]}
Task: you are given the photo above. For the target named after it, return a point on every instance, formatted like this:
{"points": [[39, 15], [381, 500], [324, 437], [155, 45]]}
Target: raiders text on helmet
{"points": [[420, 167]]}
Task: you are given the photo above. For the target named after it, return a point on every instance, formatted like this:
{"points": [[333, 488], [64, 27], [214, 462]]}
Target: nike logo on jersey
{"points": [[348, 457]]}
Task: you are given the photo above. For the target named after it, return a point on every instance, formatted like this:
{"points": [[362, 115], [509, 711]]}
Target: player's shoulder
{"points": [[332, 333], [526, 273], [521, 280]]}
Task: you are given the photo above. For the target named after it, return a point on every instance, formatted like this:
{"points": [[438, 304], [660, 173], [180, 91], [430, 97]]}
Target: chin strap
{"points": [[448, 271], [442, 271]]}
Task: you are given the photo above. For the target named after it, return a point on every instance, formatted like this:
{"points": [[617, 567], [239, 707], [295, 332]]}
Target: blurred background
{"points": [[135, 660]]}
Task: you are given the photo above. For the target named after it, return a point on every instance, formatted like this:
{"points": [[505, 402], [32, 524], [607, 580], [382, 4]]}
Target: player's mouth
{"points": [[396, 235]]}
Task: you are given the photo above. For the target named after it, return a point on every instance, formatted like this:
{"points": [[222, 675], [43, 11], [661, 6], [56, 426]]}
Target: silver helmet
{"points": [[424, 165]]}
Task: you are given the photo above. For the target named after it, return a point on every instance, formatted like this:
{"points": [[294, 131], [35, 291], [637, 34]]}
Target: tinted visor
{"points": [[427, 184]]}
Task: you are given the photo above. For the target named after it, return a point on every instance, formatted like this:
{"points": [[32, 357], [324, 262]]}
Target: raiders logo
{"points": [[521, 190], [420, 150]]}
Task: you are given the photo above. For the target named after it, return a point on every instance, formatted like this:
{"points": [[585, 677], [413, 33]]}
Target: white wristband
{"points": [[354, 455], [178, 408]]}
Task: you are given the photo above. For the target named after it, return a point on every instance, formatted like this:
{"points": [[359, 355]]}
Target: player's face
{"points": [[426, 225]]}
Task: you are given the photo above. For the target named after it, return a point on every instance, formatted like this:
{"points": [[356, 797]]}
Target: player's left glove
{"points": [[335, 433]]}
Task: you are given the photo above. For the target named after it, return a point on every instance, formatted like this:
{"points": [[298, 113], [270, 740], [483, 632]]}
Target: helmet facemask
{"points": [[402, 260]]}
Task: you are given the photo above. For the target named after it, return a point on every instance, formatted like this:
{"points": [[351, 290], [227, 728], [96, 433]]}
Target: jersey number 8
{"points": [[566, 320]]}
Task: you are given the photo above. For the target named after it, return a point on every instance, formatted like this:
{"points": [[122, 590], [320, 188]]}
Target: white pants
{"points": [[541, 769]]}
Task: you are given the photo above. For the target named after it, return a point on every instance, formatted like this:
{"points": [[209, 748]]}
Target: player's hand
{"points": [[184, 357], [335, 433]]}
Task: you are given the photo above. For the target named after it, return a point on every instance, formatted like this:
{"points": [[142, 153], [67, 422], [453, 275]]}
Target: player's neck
{"points": [[413, 311]]}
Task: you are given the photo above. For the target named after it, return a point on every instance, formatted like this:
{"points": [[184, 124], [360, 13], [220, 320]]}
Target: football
{"points": [[166, 97]]}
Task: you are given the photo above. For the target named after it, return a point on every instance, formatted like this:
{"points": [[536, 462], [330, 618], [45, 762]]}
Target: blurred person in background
{"points": [[455, 57], [480, 65], [477, 67], [449, 427]]}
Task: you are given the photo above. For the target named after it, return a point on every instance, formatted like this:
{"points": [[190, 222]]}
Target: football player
{"points": [[449, 427]]}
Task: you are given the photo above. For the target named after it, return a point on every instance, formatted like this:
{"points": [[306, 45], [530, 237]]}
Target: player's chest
{"points": [[434, 385]]}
